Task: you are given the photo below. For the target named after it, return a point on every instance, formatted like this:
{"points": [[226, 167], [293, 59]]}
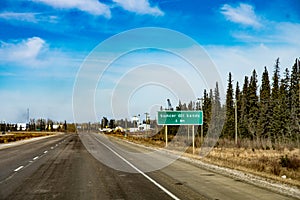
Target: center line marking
{"points": [[140, 171], [18, 168], [35, 158]]}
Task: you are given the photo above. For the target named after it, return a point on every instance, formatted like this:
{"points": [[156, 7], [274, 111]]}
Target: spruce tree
{"points": [[244, 109], [295, 100], [217, 99], [206, 107], [217, 115], [238, 96], [253, 106], [228, 129], [184, 106], [276, 78], [179, 107], [283, 101], [275, 105], [190, 106], [264, 106]]}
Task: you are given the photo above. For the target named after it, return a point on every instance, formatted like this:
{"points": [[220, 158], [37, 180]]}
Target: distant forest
{"points": [[270, 112]]}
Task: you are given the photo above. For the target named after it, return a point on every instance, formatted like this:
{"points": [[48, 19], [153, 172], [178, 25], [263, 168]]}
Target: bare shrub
{"points": [[290, 163], [275, 168], [294, 163]]}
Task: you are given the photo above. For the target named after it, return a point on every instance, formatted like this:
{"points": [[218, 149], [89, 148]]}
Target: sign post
{"points": [[193, 129], [166, 134], [188, 132], [180, 118]]}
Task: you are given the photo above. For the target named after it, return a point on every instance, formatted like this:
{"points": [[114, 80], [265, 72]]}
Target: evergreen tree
{"points": [[184, 107], [190, 106], [228, 130], [295, 100], [264, 105], [244, 108], [207, 106], [275, 105], [276, 78], [253, 106], [217, 116], [284, 108], [286, 84], [216, 101], [238, 96], [179, 107]]}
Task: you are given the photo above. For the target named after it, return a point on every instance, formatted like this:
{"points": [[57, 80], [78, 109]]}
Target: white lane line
{"points": [[45, 151], [35, 158], [141, 172], [19, 168]]}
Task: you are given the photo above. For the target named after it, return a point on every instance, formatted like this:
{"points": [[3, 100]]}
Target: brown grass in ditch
{"points": [[279, 164], [283, 166]]}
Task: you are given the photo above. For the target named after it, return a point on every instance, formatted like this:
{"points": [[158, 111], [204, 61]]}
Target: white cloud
{"points": [[242, 14], [288, 33], [38, 71], [36, 53], [274, 33], [28, 17], [139, 7], [242, 60], [93, 7], [25, 51], [29, 49]]}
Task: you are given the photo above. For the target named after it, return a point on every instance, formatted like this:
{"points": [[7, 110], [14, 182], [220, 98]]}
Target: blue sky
{"points": [[43, 43]]}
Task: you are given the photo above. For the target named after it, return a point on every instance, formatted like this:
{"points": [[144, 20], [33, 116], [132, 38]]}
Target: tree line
{"points": [[267, 111], [35, 125]]}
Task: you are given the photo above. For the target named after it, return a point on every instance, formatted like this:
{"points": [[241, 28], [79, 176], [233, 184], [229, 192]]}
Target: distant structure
{"points": [[169, 105], [138, 125], [21, 126], [104, 123]]}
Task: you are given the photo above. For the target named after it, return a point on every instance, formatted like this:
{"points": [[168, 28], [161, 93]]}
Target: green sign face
{"points": [[180, 117]]}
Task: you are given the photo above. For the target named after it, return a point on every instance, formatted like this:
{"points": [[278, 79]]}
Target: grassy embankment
{"points": [[279, 164], [16, 136]]}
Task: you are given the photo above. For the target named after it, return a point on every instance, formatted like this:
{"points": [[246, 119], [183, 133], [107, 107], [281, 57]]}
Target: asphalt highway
{"points": [[92, 166]]}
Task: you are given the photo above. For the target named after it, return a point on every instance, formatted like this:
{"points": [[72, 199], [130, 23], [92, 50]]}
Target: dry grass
{"points": [[267, 163], [16, 136], [249, 157]]}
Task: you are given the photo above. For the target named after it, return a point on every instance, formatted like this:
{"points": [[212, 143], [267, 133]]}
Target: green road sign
{"points": [[180, 117]]}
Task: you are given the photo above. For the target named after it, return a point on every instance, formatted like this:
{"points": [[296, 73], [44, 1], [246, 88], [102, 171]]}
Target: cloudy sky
{"points": [[43, 44]]}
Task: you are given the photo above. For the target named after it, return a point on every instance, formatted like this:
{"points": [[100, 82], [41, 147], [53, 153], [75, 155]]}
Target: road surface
{"points": [[68, 167]]}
